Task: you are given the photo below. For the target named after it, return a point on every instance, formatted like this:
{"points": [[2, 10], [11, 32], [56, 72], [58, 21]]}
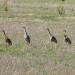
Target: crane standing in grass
{"points": [[67, 39], [7, 40], [26, 36], [51, 37]]}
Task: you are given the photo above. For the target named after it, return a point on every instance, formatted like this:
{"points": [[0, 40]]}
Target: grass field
{"points": [[46, 58]]}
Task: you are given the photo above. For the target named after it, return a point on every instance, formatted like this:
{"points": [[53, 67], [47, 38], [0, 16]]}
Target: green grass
{"points": [[37, 15], [38, 9]]}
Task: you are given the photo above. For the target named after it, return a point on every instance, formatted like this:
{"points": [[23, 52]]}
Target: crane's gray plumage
{"points": [[26, 36], [67, 39], [52, 38]]}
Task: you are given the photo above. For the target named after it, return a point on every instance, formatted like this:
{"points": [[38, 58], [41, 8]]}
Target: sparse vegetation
{"points": [[61, 10], [5, 5], [46, 58]]}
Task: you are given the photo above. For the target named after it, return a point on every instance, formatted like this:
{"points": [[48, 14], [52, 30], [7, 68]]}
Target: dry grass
{"points": [[46, 58]]}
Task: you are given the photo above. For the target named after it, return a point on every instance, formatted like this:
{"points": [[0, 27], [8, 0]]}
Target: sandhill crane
{"points": [[7, 40], [67, 39], [26, 36], [51, 37]]}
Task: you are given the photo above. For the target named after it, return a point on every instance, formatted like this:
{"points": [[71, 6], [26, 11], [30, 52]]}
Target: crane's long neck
{"points": [[50, 33], [25, 32], [5, 35], [65, 35]]}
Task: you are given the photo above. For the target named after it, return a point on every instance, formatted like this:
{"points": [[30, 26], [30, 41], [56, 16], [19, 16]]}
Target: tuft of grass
{"points": [[50, 51]]}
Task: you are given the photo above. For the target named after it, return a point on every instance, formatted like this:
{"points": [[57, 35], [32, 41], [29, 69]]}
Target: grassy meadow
{"points": [[41, 57]]}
